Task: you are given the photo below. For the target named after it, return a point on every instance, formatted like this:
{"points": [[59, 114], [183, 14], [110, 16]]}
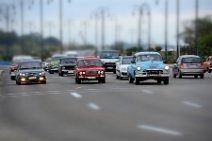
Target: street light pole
{"points": [[166, 31], [41, 30], [177, 28], [196, 25], [61, 28]]}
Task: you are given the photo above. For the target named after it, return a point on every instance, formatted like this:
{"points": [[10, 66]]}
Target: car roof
{"points": [[145, 53], [186, 56]]}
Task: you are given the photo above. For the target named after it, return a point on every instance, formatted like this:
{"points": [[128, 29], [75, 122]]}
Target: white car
{"points": [[121, 66]]}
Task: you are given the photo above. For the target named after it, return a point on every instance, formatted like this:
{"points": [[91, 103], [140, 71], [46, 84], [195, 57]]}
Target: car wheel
{"points": [[114, 72], [195, 76], [120, 78], [180, 76], [117, 77], [166, 81], [44, 82], [103, 80], [61, 74], [159, 81], [209, 71], [202, 76], [131, 80], [77, 81], [12, 77], [174, 75], [51, 72], [18, 83], [137, 81]]}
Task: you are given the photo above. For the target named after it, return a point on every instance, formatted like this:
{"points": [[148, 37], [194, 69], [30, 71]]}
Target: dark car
{"points": [[30, 72], [67, 65], [188, 65]]}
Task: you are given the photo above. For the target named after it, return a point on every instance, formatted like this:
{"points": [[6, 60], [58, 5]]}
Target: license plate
{"points": [[32, 78], [153, 74], [71, 71], [91, 77]]}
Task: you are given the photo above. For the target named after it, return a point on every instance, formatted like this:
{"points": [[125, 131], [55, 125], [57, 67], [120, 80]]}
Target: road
{"points": [[116, 111]]}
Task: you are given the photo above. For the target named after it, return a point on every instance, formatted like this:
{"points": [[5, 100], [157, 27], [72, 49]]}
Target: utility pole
{"points": [[103, 28], [177, 28], [196, 25], [41, 30], [22, 25], [166, 31], [61, 28]]}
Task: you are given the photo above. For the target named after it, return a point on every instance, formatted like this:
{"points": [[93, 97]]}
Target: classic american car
{"points": [[89, 68], [30, 72], [148, 65], [121, 66], [67, 65]]}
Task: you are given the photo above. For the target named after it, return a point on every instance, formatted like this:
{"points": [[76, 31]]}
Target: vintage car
{"points": [[208, 64], [30, 72], [109, 59], [121, 66], [53, 65], [188, 65], [148, 65], [67, 65], [89, 68]]}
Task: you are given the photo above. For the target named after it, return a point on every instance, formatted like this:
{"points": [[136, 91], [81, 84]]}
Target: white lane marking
{"points": [[195, 105], [70, 90], [92, 89], [160, 130], [93, 106], [76, 95], [36, 92], [53, 91], [147, 91]]}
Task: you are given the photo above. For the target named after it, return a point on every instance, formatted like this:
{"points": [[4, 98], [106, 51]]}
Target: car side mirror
{"points": [[133, 61]]}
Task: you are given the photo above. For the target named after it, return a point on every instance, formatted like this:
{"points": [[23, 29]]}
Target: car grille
{"points": [[91, 72], [69, 67], [32, 74], [153, 71]]}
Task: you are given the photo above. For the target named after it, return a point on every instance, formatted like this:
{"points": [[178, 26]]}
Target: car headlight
{"points": [[138, 68], [22, 74], [102, 72], [166, 68], [42, 73]]}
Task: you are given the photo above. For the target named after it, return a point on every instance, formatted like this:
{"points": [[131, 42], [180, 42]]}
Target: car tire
{"points": [[120, 78], [202, 76], [44, 82], [195, 76], [51, 72], [77, 81], [166, 81], [17, 82], [12, 77], [103, 80], [174, 75], [117, 77], [114, 72], [131, 80], [137, 81], [159, 81], [209, 71], [180, 76]]}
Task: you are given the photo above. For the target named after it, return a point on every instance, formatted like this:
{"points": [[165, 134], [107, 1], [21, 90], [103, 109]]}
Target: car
{"points": [[67, 65], [148, 65], [46, 63], [30, 72], [121, 66], [15, 62], [109, 59], [89, 68], [208, 64], [188, 65], [53, 65]]}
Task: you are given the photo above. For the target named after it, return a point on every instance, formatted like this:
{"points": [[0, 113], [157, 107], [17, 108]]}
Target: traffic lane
{"points": [[115, 118]]}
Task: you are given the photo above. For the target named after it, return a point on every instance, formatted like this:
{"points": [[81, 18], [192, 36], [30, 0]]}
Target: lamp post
{"points": [[177, 28], [96, 17], [196, 25], [140, 13]]}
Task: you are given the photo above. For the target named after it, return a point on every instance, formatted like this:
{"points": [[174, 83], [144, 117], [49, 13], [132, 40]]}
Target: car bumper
{"points": [[123, 74], [91, 77], [150, 76], [191, 71], [37, 79]]}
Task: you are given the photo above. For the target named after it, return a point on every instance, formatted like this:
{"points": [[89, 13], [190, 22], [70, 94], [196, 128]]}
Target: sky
{"points": [[79, 12]]}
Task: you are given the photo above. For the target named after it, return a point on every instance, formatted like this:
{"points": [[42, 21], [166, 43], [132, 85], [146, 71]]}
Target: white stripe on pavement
{"points": [[76, 95], [160, 130], [93, 106], [147, 91], [195, 105]]}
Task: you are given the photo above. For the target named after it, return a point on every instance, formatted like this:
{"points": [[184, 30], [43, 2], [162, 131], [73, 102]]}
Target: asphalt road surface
{"points": [[116, 111]]}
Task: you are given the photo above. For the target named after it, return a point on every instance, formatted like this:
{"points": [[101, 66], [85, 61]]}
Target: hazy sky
{"points": [[79, 11]]}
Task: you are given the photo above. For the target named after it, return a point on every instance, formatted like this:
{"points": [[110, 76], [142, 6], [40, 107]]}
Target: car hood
{"points": [[90, 68], [31, 70], [151, 65]]}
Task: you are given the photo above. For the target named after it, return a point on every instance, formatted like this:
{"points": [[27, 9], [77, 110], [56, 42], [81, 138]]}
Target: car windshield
{"points": [[191, 60], [149, 57], [127, 60], [87, 63], [30, 65], [68, 61], [109, 55]]}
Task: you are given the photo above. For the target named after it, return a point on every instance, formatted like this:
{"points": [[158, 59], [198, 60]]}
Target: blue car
{"points": [[148, 65]]}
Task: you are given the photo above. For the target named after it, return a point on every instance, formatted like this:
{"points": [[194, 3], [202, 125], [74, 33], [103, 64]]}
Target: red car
{"points": [[89, 68]]}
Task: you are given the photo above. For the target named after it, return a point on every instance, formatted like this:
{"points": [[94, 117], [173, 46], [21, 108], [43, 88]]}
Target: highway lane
{"points": [[115, 111]]}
